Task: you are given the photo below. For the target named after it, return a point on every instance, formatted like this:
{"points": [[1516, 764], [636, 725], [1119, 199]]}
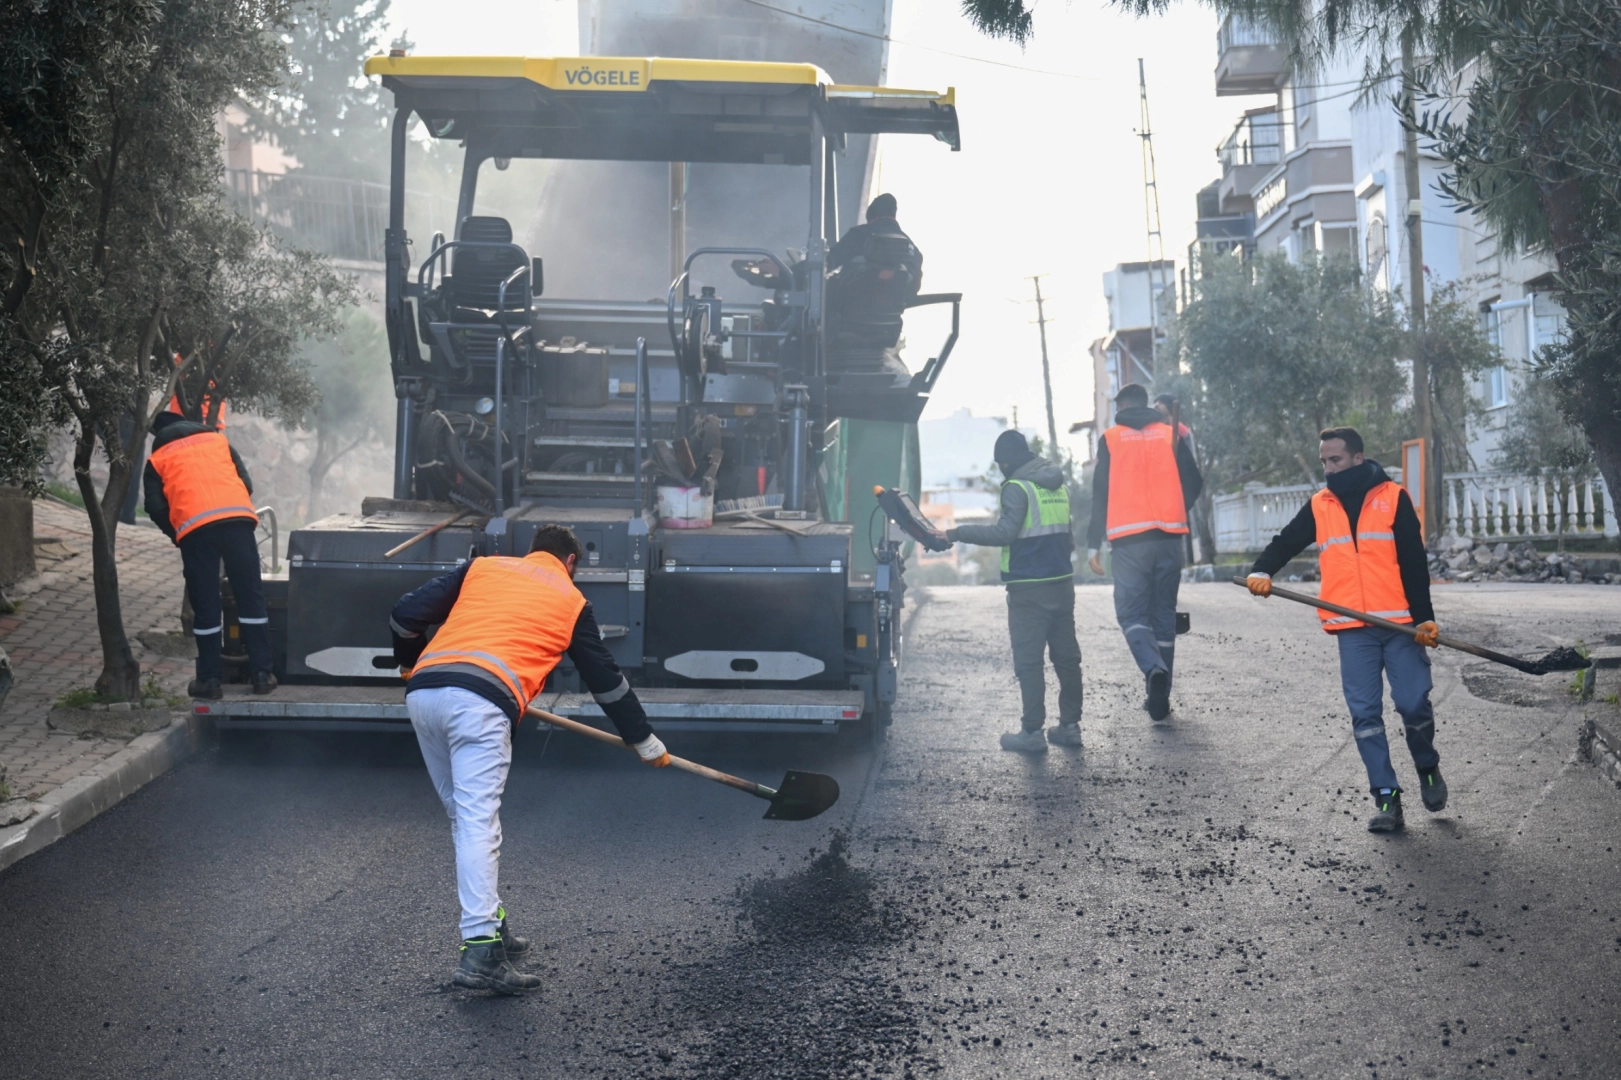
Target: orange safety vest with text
{"points": [[200, 482], [514, 618], [1145, 489], [1360, 572]]}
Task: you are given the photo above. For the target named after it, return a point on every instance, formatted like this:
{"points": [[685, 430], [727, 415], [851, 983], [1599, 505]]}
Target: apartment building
{"points": [[1142, 301], [1322, 168]]}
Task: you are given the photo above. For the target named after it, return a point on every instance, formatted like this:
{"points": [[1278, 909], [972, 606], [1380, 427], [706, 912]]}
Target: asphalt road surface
{"points": [[1198, 898]]}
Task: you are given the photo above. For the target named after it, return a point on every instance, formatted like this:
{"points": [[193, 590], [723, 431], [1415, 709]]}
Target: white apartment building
{"points": [[1323, 169]]}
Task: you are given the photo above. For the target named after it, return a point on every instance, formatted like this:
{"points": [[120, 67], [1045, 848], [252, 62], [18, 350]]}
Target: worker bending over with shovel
{"points": [[1033, 532], [1371, 555], [504, 623], [1144, 481]]}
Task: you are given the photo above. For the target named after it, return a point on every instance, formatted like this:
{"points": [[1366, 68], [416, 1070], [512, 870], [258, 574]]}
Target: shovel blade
{"points": [[802, 795]]}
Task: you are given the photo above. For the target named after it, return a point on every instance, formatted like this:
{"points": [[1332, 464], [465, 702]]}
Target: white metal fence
{"points": [[1478, 505]]}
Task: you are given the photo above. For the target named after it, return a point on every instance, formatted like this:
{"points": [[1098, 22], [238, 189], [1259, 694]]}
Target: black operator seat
{"points": [[866, 298], [477, 272]]}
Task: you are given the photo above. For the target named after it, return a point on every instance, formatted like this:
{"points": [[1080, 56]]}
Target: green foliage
{"points": [[1273, 352], [121, 251], [1539, 436], [1010, 19], [356, 398], [1534, 153], [82, 697], [1458, 352], [324, 111]]}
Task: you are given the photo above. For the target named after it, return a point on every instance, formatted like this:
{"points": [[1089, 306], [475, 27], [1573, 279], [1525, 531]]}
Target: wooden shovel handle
{"points": [[425, 533], [757, 790], [1374, 620]]}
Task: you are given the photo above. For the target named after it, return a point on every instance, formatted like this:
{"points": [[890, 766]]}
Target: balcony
{"points": [[1248, 61], [1246, 155]]}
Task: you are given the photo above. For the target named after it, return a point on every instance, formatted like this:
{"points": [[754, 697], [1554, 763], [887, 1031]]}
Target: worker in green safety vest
{"points": [[1033, 532]]}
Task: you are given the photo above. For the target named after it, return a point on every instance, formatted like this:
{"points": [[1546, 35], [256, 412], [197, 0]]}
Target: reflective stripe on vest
{"points": [[1363, 574], [1042, 549], [1145, 488], [200, 482], [514, 618]]}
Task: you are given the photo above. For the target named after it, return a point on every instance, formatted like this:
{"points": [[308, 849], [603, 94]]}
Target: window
{"points": [[1376, 244], [1496, 387], [1494, 381]]}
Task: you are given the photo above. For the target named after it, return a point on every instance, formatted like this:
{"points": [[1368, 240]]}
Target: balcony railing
{"points": [[343, 219], [1237, 32], [1486, 506], [1254, 141]]}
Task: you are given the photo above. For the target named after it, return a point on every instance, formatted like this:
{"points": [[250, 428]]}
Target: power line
{"points": [[916, 45]]}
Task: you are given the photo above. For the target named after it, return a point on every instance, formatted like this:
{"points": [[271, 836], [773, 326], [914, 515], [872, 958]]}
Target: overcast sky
{"points": [[1049, 180]]}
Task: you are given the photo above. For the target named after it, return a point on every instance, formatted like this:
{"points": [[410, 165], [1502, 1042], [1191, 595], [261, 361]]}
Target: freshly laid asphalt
{"points": [[1196, 898]]}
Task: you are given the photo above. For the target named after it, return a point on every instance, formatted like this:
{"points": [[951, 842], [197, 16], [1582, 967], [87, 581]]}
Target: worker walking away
{"points": [[1144, 481], [504, 623], [199, 493], [1033, 532], [1371, 557]]}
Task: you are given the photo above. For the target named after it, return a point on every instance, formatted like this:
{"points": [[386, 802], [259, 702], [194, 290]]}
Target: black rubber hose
{"points": [[453, 448]]}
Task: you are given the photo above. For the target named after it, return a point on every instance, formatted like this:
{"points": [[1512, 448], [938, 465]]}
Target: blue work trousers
{"points": [[1368, 656], [1147, 575], [201, 553]]}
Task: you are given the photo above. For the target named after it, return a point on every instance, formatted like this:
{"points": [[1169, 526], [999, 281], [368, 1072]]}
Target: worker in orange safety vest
{"points": [[1371, 558], [200, 494], [504, 624], [1143, 482]]}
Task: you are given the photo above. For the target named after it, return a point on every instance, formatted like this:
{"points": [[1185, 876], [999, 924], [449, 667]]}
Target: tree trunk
{"points": [[120, 672], [1606, 442]]}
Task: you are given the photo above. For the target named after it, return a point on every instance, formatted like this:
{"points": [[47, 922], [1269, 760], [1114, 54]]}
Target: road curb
{"points": [[102, 787], [1600, 744]]}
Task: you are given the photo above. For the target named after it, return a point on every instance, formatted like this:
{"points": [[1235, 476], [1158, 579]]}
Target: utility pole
{"points": [[1423, 419], [1046, 372], [1156, 239]]}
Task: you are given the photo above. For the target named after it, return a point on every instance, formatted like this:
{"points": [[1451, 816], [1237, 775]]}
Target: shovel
{"points": [[802, 795], [1563, 658]]}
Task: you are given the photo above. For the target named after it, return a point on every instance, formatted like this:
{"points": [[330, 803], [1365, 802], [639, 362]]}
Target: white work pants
{"points": [[467, 744]]}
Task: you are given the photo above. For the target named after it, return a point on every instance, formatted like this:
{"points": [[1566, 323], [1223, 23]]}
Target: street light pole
{"points": [[1046, 373], [1423, 418]]}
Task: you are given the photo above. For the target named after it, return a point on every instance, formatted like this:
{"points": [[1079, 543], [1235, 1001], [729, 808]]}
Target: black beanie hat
{"points": [[1011, 450], [884, 206]]}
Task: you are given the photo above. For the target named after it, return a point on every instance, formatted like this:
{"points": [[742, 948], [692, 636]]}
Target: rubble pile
{"points": [[1462, 559]]}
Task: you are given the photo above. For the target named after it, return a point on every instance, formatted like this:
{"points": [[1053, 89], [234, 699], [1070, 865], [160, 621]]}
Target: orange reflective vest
{"points": [[1145, 489], [1360, 572], [514, 618], [200, 482]]}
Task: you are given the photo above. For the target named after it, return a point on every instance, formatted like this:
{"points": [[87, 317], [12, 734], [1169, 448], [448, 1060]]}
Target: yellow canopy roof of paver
{"points": [[650, 108]]}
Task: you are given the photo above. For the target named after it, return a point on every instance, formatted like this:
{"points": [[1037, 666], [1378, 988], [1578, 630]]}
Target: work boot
{"points": [[485, 966], [516, 946], [1065, 734], [205, 688], [1433, 790], [1387, 812], [1025, 742], [1159, 694], [263, 682]]}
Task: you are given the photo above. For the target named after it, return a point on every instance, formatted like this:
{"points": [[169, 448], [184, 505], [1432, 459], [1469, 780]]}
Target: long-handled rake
{"points": [[1563, 658]]}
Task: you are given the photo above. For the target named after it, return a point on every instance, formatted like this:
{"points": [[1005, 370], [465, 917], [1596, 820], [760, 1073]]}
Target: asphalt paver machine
{"points": [[517, 409]]}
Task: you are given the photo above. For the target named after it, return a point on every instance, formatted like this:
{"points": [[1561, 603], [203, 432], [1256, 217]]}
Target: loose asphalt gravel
{"points": [[1197, 898]]}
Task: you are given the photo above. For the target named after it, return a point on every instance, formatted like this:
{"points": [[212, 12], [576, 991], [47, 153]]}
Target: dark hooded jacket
{"points": [[157, 503], [1349, 486], [1186, 467], [1015, 504]]}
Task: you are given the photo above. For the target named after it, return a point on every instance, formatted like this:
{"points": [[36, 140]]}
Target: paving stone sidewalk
{"points": [[54, 647]]}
